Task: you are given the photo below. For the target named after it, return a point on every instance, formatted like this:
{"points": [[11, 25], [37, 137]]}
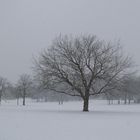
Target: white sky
{"points": [[28, 26]]}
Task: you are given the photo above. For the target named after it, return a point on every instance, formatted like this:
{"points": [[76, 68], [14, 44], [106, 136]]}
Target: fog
{"points": [[28, 26]]}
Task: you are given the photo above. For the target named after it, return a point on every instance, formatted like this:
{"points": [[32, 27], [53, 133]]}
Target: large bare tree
{"points": [[81, 66]]}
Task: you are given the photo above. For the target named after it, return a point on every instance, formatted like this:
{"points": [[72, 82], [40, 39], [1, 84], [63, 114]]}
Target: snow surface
{"points": [[50, 121]]}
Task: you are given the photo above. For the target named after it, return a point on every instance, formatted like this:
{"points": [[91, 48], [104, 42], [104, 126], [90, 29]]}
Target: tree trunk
{"points": [[109, 102], [46, 99], [129, 101], [119, 102], [86, 105], [24, 96], [125, 99], [23, 101], [17, 101], [0, 99]]}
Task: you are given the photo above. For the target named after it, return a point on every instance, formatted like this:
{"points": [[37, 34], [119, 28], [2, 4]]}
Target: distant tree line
{"points": [[127, 93]]}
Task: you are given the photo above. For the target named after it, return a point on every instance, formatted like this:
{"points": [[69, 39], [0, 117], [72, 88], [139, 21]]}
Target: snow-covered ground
{"points": [[50, 121]]}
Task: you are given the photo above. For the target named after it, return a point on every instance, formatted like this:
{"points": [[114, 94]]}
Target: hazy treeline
{"points": [[128, 92]]}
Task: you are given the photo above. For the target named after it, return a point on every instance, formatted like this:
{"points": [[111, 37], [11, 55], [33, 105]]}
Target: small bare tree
{"points": [[3, 83], [24, 85], [17, 93], [81, 66]]}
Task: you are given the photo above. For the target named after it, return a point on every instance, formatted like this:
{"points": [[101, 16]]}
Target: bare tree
{"points": [[3, 83], [24, 85], [81, 66], [18, 93]]}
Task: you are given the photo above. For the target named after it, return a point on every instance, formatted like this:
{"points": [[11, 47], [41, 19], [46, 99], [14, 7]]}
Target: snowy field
{"points": [[50, 121]]}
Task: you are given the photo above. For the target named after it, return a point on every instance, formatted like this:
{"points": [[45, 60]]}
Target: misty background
{"points": [[27, 27]]}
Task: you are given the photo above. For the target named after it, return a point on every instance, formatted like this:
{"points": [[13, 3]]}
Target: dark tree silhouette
{"points": [[81, 66]]}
